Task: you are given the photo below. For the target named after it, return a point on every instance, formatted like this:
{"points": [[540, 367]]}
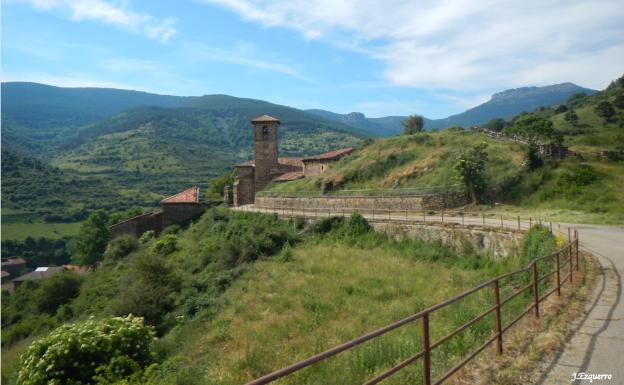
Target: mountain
{"points": [[509, 103], [505, 105], [102, 148]]}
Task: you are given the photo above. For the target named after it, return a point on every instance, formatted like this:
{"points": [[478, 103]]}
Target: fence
{"points": [[558, 266], [420, 191], [459, 217]]}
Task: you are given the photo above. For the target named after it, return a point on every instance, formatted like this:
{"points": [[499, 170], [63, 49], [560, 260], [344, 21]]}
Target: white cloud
{"points": [[116, 14], [462, 44], [242, 54]]}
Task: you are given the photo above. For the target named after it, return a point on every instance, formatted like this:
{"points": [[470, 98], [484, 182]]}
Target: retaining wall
{"points": [[367, 203]]}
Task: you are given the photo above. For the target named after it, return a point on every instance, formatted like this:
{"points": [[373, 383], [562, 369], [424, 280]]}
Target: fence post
{"points": [[530, 222], [462, 215], [576, 249], [388, 214], [499, 328], [570, 259], [551, 227], [535, 293], [424, 216], [426, 350], [483, 219], [569, 236], [501, 221], [442, 216], [518, 222], [558, 276]]}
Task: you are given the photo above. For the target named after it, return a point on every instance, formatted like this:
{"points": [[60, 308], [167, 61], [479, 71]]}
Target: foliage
{"points": [[77, 353], [148, 289], [571, 117], [90, 244], [127, 214], [533, 127], [537, 242], [582, 175], [120, 247], [561, 109], [39, 251], [147, 236], [57, 290], [534, 159], [605, 110], [618, 101], [216, 187], [496, 125], [413, 124], [166, 244], [471, 170]]}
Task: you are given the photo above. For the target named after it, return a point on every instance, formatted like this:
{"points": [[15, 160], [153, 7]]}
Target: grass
{"points": [[418, 161], [330, 291], [20, 231]]}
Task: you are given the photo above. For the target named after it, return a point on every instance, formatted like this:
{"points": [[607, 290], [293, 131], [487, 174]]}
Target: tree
{"points": [[571, 117], [57, 290], [413, 124], [496, 125], [471, 170], [90, 244], [605, 110], [216, 187], [561, 109], [619, 100], [533, 127]]}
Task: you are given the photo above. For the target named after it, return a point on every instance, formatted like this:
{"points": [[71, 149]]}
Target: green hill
{"points": [[582, 187]]}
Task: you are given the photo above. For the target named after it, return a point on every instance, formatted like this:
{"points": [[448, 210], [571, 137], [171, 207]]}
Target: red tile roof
{"points": [[187, 196], [264, 118], [289, 176], [336, 154]]}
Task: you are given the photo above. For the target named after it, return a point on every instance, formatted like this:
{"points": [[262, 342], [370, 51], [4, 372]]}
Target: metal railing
{"points": [[355, 193], [562, 264]]}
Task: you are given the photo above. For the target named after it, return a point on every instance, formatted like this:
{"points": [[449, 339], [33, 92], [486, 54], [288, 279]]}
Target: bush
{"points": [[173, 229], [120, 247], [57, 290], [582, 175], [165, 244], [537, 242], [147, 236], [76, 353]]}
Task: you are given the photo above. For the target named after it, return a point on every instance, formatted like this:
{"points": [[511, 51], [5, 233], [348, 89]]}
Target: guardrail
{"points": [[558, 266]]}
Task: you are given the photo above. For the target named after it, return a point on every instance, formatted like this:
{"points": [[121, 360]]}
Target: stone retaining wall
{"points": [[367, 203]]}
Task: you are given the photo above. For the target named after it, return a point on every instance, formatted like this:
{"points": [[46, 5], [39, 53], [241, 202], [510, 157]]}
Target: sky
{"points": [[382, 58]]}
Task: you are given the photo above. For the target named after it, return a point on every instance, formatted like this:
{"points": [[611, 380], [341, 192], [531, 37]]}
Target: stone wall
{"points": [[138, 225], [365, 203], [244, 188], [315, 167], [265, 152], [485, 241], [180, 213]]}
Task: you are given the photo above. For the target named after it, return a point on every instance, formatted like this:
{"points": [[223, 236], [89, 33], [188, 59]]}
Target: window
{"points": [[265, 132]]}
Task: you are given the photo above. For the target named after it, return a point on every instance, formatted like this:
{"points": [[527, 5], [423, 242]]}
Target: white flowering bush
{"points": [[82, 353]]}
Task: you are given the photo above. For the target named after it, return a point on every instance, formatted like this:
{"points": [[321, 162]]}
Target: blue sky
{"points": [[382, 58]]}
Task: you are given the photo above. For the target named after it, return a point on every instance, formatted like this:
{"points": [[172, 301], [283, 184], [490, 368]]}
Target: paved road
{"points": [[597, 343]]}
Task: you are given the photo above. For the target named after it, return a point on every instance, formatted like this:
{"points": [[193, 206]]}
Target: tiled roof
{"points": [[187, 196], [264, 118], [289, 176], [330, 155], [40, 274], [13, 261], [290, 161]]}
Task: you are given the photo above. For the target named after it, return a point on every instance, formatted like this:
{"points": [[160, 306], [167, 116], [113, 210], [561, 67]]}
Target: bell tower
{"points": [[265, 149]]}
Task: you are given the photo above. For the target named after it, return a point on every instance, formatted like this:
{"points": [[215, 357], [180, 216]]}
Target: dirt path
{"points": [[597, 344]]}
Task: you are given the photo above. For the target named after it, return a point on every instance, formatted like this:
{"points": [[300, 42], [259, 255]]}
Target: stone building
{"points": [[177, 209], [266, 167]]}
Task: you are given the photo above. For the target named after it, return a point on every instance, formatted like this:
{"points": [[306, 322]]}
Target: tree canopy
{"points": [[471, 170], [533, 128], [90, 244], [413, 124], [605, 110]]}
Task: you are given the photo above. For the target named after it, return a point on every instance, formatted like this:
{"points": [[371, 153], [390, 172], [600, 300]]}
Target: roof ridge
{"points": [[195, 193]]}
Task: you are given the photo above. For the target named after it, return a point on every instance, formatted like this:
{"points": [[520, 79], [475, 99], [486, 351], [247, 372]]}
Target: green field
{"points": [[20, 231]]}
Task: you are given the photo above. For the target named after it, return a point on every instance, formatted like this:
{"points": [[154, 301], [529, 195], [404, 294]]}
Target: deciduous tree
{"points": [[471, 170], [92, 239], [413, 124]]}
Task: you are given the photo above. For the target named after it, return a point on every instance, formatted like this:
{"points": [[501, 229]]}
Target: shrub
{"points": [[356, 225], [75, 353], [147, 236], [537, 242], [120, 247], [325, 225], [582, 175], [165, 244], [57, 290], [173, 229]]}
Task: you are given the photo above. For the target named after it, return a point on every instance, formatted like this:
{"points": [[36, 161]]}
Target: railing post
{"points": [[558, 276], [569, 236], [535, 293], [483, 219], [530, 222], [576, 249], [462, 215], [424, 216], [551, 227], [426, 350], [570, 259], [442, 216], [502, 222], [499, 328], [518, 222]]}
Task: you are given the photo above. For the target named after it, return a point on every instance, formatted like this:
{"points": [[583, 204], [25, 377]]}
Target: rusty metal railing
{"points": [[565, 261]]}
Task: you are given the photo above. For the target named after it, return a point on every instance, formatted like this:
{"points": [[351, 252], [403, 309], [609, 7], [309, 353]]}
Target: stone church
{"points": [[267, 167]]}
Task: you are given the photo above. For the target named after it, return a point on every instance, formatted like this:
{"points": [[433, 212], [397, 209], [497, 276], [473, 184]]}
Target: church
{"points": [[267, 166]]}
